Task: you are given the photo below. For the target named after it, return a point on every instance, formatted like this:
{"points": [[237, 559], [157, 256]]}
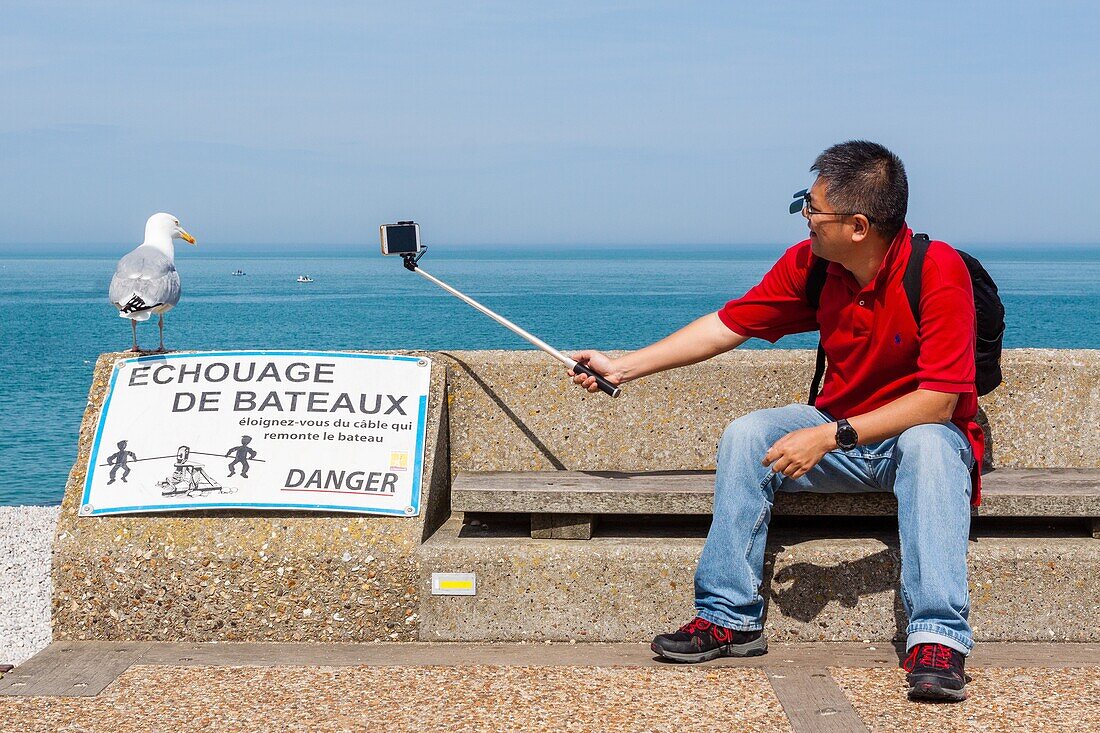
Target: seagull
{"points": [[146, 281]]}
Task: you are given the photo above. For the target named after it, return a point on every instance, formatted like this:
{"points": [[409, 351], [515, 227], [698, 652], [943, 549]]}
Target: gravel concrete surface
{"points": [[999, 700], [395, 699], [26, 542], [537, 698]]}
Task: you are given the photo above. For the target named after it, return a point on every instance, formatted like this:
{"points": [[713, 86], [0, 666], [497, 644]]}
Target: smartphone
{"points": [[402, 238]]}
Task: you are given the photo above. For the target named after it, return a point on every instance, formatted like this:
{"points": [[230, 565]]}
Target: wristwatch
{"points": [[846, 436]]}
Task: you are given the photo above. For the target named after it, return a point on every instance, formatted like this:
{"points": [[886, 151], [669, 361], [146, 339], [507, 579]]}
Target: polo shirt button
{"points": [[862, 302]]}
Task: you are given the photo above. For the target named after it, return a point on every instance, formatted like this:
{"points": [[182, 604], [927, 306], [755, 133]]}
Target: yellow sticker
{"points": [[399, 460], [454, 584]]}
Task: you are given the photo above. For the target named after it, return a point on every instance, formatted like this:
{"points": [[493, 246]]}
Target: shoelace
{"points": [[696, 624], [936, 655], [721, 633], [931, 655]]}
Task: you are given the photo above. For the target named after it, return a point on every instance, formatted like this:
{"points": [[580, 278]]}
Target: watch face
{"points": [[846, 436]]}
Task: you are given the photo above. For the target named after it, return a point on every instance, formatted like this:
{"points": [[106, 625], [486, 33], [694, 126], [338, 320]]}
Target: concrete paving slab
{"points": [[540, 697], [86, 668], [813, 702], [395, 699], [1000, 700], [544, 687], [68, 670]]}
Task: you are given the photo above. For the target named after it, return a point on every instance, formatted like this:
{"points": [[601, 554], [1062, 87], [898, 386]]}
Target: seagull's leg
{"points": [[160, 325], [133, 327]]}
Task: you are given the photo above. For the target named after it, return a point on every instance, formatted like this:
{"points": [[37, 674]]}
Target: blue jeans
{"points": [[927, 468]]}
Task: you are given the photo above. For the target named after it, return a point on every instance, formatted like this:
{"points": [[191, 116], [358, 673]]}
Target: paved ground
{"points": [[88, 686]]}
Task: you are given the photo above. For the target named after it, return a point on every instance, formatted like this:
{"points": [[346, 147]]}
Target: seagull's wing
{"points": [[144, 280]]}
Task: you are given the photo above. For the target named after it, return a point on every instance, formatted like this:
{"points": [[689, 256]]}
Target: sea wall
{"points": [[237, 575], [240, 575]]}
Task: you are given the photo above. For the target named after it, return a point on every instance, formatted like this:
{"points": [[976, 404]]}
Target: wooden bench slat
{"points": [[1005, 492]]}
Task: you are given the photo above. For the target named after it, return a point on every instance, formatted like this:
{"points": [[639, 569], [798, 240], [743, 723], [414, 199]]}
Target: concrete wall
{"points": [[337, 577], [238, 575], [513, 411], [816, 588]]}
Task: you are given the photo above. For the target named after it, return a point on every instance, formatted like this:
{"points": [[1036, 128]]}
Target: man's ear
{"points": [[861, 227]]}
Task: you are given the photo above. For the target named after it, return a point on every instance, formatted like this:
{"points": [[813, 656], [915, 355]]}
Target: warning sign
{"points": [[324, 431]]}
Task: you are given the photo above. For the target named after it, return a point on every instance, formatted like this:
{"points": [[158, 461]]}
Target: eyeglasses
{"points": [[801, 204]]}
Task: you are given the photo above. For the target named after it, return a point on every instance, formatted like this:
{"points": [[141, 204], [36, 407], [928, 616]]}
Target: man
{"points": [[242, 454], [896, 413], [119, 460]]}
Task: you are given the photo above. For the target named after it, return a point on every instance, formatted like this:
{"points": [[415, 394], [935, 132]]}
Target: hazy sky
{"points": [[537, 123]]}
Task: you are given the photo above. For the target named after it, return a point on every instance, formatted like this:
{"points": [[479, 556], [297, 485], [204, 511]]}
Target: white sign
{"points": [[322, 431]]}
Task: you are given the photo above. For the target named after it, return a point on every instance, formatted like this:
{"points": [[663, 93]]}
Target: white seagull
{"points": [[146, 281]]}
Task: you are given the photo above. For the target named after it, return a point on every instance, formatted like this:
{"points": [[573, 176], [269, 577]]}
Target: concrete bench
{"points": [[510, 414], [567, 504]]}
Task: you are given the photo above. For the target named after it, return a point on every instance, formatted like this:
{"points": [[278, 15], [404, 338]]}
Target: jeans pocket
{"points": [[966, 455]]}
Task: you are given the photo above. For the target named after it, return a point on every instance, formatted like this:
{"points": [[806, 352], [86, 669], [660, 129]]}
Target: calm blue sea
{"points": [[55, 318]]}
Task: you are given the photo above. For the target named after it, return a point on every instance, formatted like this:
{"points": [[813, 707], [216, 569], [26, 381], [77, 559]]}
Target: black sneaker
{"points": [[935, 673], [700, 641]]}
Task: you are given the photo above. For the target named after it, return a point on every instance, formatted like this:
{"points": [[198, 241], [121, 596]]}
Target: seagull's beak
{"points": [[186, 237]]}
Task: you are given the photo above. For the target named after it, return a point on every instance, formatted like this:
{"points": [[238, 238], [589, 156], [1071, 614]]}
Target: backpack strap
{"points": [[815, 283], [911, 281], [819, 372]]}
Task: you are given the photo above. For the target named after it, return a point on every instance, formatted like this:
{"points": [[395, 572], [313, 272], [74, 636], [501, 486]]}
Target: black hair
{"points": [[866, 178]]}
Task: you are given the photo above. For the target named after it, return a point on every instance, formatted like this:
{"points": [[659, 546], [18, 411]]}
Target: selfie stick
{"points": [[411, 259]]}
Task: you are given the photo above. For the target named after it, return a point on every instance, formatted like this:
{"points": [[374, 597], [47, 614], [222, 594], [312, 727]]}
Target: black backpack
{"points": [[988, 308]]}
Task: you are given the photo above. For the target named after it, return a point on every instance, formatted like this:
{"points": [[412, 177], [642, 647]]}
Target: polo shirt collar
{"points": [[893, 256]]}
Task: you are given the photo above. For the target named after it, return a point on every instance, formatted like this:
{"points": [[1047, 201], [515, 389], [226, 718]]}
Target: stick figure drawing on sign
{"points": [[241, 455], [119, 460]]}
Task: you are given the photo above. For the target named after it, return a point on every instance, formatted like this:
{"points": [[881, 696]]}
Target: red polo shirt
{"points": [[874, 352]]}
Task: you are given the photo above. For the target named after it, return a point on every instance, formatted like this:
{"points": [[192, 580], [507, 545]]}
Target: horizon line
{"points": [[457, 246]]}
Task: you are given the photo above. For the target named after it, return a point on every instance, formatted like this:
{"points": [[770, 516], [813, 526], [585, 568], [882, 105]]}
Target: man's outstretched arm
{"points": [[698, 341]]}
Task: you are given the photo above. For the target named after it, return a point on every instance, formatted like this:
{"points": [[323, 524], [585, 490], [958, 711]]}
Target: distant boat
{"points": [[305, 279], [239, 273]]}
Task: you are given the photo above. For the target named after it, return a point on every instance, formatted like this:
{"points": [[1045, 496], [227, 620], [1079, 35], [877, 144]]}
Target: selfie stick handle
{"points": [[605, 386]]}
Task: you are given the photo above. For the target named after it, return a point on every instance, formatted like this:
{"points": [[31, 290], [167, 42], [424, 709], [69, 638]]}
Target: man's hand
{"points": [[796, 453], [600, 364]]}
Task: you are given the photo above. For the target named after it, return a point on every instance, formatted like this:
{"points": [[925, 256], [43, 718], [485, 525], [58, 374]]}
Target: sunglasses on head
{"points": [[801, 204]]}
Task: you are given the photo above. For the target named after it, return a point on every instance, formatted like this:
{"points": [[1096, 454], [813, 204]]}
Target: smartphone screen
{"points": [[401, 239]]}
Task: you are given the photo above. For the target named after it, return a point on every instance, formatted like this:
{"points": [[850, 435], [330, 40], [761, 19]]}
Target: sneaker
{"points": [[935, 673], [700, 641]]}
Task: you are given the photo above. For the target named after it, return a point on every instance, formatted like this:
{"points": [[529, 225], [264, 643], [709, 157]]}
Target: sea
{"points": [[55, 318]]}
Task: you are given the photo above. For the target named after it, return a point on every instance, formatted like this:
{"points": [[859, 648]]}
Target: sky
{"points": [[291, 124]]}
